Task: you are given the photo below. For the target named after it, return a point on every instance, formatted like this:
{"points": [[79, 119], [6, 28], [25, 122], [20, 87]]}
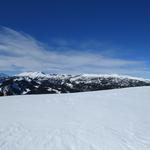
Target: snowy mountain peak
{"points": [[33, 74], [113, 76]]}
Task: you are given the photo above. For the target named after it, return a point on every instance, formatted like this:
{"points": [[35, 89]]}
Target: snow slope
{"points": [[103, 120]]}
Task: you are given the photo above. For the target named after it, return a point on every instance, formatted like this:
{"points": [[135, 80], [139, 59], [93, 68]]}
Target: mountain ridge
{"points": [[42, 74], [42, 83]]}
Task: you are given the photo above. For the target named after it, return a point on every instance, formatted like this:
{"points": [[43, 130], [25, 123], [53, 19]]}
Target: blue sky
{"points": [[60, 36]]}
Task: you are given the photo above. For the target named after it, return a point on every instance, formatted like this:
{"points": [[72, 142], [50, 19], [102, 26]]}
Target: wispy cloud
{"points": [[21, 52]]}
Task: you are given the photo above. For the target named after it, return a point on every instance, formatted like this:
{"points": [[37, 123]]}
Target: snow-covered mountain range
{"points": [[41, 83]]}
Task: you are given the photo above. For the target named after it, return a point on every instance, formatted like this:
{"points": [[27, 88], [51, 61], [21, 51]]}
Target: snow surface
{"points": [[103, 120]]}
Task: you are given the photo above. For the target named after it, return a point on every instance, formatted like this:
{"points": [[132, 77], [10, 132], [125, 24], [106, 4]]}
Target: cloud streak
{"points": [[21, 52]]}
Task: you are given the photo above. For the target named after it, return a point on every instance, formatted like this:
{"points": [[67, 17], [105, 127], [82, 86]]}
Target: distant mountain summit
{"points": [[3, 75], [41, 83], [32, 74]]}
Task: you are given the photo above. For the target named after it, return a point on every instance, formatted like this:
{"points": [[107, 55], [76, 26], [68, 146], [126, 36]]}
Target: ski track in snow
{"points": [[103, 120]]}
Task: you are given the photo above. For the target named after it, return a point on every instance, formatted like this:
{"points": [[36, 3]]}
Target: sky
{"points": [[72, 36]]}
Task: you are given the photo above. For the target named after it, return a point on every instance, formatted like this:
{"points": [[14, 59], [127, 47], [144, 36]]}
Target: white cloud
{"points": [[21, 52]]}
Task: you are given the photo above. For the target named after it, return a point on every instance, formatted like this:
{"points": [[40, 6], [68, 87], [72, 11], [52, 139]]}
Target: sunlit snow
{"points": [[103, 120]]}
